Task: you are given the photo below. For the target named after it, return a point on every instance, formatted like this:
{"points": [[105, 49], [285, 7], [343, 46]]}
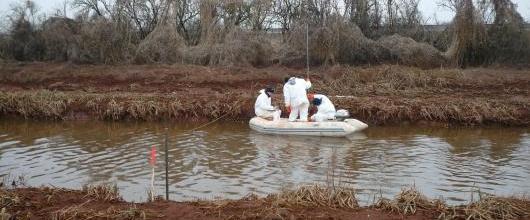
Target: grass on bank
{"points": [[408, 202], [78, 212], [374, 110], [105, 192], [46, 104], [382, 94], [317, 195]]}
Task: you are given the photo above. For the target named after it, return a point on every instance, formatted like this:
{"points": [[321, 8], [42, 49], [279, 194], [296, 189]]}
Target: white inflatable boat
{"points": [[327, 128]]}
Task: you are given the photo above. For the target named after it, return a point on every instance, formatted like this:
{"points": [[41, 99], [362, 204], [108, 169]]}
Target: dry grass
{"points": [[391, 94], [490, 207], [4, 215], [106, 192], [318, 196], [8, 198], [453, 110], [287, 204], [387, 79], [79, 212], [383, 94], [409, 201], [45, 104]]}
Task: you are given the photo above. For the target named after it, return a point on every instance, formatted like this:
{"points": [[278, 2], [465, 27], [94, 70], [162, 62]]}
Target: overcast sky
{"points": [[429, 8]]}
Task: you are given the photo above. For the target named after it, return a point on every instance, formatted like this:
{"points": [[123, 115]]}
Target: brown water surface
{"points": [[228, 160]]}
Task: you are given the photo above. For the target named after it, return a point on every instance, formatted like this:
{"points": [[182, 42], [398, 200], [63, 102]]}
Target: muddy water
{"points": [[228, 160]]}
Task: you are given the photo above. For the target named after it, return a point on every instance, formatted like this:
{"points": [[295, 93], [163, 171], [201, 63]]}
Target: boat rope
{"points": [[208, 123]]}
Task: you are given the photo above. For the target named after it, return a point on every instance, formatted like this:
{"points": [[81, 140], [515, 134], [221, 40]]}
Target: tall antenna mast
{"points": [[64, 8], [307, 39]]}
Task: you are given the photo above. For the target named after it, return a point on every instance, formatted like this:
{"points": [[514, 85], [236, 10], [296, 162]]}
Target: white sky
{"points": [[429, 8]]}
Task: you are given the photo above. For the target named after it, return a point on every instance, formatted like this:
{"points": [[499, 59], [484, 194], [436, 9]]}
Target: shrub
{"points": [[162, 45], [236, 47], [59, 38], [105, 41], [335, 41], [411, 53], [508, 44]]}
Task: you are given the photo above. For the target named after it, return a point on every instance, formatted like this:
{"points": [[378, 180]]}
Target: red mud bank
{"points": [[378, 95], [48, 203], [310, 202]]}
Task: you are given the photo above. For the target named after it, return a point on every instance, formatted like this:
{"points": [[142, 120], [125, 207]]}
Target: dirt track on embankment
{"points": [[378, 95]]}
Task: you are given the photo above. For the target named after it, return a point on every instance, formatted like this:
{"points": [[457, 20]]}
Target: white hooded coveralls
{"points": [[263, 107], [295, 96], [326, 109]]}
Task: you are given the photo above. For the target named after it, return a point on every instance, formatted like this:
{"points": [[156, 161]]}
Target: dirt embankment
{"points": [[379, 95], [307, 202]]}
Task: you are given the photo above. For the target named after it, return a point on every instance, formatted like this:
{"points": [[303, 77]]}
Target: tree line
{"points": [[265, 32]]}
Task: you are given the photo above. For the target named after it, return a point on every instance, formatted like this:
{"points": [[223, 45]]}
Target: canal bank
{"points": [[378, 95], [307, 202]]}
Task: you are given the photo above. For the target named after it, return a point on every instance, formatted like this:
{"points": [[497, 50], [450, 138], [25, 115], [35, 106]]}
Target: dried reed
{"points": [[316, 195], [104, 192]]}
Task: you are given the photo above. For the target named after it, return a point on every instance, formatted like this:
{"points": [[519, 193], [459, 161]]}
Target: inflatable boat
{"points": [[332, 128]]}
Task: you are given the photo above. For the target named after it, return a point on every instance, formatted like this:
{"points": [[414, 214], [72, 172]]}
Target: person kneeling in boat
{"points": [[263, 107], [326, 109]]}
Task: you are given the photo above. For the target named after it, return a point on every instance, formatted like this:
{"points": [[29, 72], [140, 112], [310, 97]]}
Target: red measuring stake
{"points": [[152, 160]]}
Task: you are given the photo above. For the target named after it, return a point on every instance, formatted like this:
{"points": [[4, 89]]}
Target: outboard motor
{"points": [[342, 114]]}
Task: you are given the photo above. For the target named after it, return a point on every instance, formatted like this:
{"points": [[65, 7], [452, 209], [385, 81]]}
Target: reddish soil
{"points": [[378, 95], [46, 203], [187, 79]]}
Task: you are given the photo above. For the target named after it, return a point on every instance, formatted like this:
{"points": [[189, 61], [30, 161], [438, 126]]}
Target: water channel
{"points": [[228, 160]]}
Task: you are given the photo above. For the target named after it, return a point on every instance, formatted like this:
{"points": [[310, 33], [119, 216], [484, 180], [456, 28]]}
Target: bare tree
{"points": [[89, 6], [410, 15], [260, 14], [233, 12], [505, 12], [208, 18], [391, 18], [364, 13], [187, 20], [469, 35], [144, 13], [286, 12]]}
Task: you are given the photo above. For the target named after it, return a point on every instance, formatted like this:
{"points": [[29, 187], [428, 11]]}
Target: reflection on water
{"points": [[228, 160]]}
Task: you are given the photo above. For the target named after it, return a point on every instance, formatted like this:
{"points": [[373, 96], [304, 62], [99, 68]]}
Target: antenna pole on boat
{"points": [[167, 165], [307, 40]]}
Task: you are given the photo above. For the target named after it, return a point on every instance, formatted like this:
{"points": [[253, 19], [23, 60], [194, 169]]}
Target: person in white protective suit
{"points": [[326, 109], [263, 107], [295, 96]]}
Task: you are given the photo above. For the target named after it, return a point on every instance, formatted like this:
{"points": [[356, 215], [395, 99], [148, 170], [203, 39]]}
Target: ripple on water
{"points": [[230, 161]]}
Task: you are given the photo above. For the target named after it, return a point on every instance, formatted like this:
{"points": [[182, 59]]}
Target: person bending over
{"points": [[326, 109], [295, 96]]}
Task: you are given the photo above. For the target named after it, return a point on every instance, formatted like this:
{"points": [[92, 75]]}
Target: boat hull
{"points": [[325, 129]]}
